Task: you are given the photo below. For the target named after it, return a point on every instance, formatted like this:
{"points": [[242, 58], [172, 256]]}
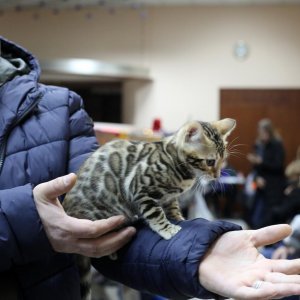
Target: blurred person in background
{"points": [[268, 172], [290, 204]]}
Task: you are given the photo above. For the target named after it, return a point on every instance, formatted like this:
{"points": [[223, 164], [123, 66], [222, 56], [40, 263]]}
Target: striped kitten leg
{"points": [[156, 218], [172, 210], [84, 268]]}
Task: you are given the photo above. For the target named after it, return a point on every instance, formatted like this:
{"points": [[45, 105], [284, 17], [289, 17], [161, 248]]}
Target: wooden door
{"points": [[248, 106]]}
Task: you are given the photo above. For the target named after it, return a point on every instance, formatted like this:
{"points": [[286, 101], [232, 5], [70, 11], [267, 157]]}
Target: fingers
{"points": [[276, 277], [270, 235], [56, 187], [81, 228], [269, 290], [246, 292], [275, 285], [285, 266], [106, 244]]}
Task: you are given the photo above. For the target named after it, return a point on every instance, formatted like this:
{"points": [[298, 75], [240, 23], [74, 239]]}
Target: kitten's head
{"points": [[203, 145]]}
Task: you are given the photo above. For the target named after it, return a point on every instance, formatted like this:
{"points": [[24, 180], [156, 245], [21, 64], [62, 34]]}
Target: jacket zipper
{"points": [[4, 143]]}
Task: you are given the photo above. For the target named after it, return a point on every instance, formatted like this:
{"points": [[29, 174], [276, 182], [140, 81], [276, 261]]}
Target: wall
{"points": [[188, 50]]}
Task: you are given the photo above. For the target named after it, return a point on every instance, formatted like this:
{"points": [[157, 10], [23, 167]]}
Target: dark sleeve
{"points": [[166, 267], [22, 239], [82, 137]]}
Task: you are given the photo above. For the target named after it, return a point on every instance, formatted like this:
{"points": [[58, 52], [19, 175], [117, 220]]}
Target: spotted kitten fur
{"points": [[144, 180]]}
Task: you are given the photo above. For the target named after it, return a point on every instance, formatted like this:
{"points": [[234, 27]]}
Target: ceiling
{"points": [[77, 4]]}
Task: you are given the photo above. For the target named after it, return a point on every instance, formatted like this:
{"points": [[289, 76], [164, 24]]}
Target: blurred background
{"points": [[146, 67], [193, 59]]}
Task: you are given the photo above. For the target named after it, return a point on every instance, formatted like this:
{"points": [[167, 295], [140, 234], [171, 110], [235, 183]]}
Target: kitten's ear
{"points": [[225, 126], [193, 133]]}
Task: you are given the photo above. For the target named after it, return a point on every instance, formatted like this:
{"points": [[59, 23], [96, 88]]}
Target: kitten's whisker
{"points": [[213, 187], [194, 186], [224, 171], [199, 186], [237, 154], [234, 145], [222, 188], [235, 150], [231, 142]]}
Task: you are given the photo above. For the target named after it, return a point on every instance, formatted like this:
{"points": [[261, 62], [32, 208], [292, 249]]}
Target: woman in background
{"points": [[268, 168]]}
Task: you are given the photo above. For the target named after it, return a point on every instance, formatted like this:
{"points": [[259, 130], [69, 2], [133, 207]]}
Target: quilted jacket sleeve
{"points": [[166, 267], [82, 137], [22, 238]]}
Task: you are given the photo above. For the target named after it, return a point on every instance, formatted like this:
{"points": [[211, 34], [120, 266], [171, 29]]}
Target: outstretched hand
{"points": [[234, 268], [71, 235]]}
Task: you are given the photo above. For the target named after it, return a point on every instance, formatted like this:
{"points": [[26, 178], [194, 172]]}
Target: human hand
{"points": [[282, 252], [260, 182], [234, 268], [71, 235], [254, 159], [288, 190]]}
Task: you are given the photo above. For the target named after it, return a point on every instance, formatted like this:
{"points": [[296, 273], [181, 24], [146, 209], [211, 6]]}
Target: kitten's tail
{"points": [[84, 268]]}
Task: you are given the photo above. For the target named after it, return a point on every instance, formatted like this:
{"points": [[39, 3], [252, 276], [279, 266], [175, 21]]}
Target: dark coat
{"points": [[272, 170], [287, 209], [45, 133]]}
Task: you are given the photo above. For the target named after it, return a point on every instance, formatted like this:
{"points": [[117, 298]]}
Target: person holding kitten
{"points": [[45, 135]]}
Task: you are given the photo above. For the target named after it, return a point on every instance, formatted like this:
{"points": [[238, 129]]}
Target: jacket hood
{"points": [[11, 50], [20, 92]]}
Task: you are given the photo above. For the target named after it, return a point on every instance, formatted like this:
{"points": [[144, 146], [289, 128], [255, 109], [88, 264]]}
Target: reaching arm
{"points": [[166, 267], [190, 266]]}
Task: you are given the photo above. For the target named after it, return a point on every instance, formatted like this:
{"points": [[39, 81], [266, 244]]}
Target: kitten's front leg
{"points": [[172, 210], [156, 218]]}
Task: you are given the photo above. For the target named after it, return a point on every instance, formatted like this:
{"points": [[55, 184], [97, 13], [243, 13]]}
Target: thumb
{"points": [[270, 235], [52, 189]]}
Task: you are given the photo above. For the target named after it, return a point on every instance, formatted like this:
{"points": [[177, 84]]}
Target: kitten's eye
{"points": [[210, 162]]}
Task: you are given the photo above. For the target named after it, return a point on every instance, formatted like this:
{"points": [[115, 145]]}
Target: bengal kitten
{"points": [[144, 179]]}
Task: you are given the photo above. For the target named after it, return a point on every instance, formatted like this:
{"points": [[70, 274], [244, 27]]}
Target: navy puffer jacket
{"points": [[45, 133]]}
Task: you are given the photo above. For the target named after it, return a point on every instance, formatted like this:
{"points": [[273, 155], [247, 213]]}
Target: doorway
{"points": [[102, 100]]}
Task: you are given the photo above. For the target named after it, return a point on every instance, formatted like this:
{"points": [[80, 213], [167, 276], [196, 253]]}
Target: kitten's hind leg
{"points": [[84, 268], [156, 218], [172, 210]]}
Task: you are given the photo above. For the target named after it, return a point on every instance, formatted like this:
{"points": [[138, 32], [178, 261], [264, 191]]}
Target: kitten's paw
{"points": [[169, 232], [179, 218]]}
